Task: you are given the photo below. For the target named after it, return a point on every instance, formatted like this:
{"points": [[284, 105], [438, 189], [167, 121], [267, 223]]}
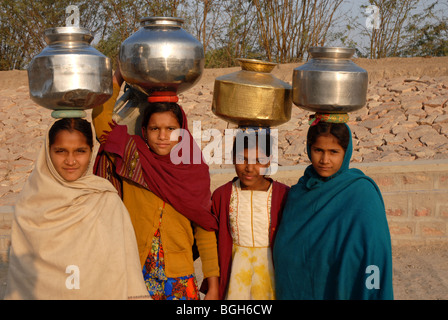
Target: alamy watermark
{"points": [[373, 280], [73, 280], [373, 20], [73, 19], [219, 148]]}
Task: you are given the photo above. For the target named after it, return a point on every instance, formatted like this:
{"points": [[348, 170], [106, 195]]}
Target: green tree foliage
{"points": [[231, 35], [121, 18], [427, 33], [402, 30], [288, 27], [393, 15], [22, 25], [431, 40], [278, 31]]}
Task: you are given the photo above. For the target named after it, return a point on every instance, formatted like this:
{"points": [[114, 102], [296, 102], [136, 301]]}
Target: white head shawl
{"points": [[72, 240]]}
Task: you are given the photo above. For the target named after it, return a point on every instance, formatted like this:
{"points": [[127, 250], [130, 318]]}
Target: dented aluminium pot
{"points": [[69, 76]]}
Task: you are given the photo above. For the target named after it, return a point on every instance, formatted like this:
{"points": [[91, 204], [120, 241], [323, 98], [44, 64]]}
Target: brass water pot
{"points": [[252, 96]]}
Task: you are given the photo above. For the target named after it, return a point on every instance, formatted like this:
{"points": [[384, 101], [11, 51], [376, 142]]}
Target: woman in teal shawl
{"points": [[333, 241]]}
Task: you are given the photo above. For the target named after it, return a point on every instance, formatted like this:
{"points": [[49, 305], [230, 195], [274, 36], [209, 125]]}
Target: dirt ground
{"points": [[420, 272]]}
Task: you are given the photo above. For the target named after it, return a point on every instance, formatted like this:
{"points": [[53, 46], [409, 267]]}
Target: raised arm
{"points": [[102, 115]]}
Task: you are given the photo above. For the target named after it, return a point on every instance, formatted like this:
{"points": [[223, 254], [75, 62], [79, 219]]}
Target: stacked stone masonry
{"points": [[415, 196], [400, 140], [416, 200]]}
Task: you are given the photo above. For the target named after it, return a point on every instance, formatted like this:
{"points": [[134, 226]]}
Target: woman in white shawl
{"points": [[72, 237]]}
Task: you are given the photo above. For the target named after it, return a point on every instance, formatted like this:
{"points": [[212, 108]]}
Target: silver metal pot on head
{"points": [[330, 82], [69, 76], [161, 56]]}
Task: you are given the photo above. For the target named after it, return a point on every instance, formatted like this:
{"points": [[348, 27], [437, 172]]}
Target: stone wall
{"points": [[416, 198], [415, 195]]}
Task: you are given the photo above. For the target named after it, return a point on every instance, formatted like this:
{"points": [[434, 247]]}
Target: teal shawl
{"points": [[333, 241]]}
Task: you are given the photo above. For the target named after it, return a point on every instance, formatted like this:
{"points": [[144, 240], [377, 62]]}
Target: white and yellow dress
{"points": [[252, 273]]}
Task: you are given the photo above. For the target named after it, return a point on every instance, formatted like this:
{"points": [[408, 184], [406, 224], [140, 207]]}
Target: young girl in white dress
{"points": [[248, 209]]}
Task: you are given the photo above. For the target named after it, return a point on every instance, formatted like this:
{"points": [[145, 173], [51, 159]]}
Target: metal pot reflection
{"points": [[330, 82], [252, 96], [69, 74]]}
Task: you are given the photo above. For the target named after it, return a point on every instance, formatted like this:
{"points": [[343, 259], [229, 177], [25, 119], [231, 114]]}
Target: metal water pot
{"points": [[252, 96], [330, 82], [161, 56], [69, 76]]}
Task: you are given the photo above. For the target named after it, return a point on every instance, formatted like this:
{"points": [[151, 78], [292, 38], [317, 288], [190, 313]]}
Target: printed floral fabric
{"points": [[252, 276], [159, 286], [328, 117]]}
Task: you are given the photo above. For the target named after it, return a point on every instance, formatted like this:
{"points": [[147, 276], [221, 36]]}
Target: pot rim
{"points": [[331, 52], [256, 65], [62, 34], [161, 21]]}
